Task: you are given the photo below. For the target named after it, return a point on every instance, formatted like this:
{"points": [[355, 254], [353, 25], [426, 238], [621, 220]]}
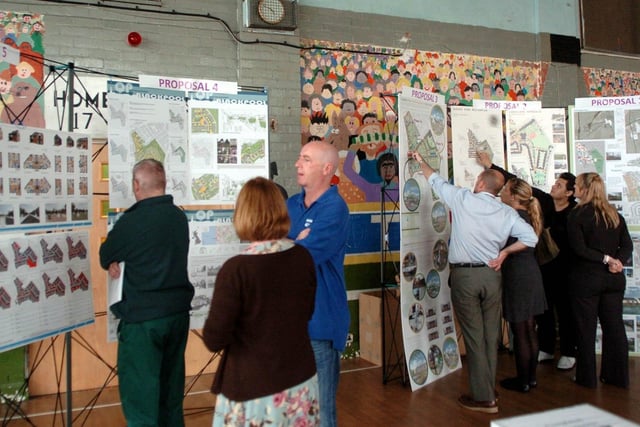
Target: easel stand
{"points": [[393, 360]]}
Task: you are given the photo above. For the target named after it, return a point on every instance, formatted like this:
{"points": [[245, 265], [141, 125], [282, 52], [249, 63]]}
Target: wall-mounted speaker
{"points": [[565, 49], [277, 15]]}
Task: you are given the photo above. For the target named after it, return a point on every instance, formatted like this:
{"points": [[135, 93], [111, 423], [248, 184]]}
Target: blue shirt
{"points": [[481, 223], [328, 218]]}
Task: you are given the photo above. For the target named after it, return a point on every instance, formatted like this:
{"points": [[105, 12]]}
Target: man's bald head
{"points": [[149, 179], [490, 181]]}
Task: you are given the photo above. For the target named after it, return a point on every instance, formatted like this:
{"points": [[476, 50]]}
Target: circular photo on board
{"points": [[411, 194], [409, 266], [450, 351], [416, 317], [419, 286], [440, 255], [437, 119], [435, 360], [433, 284], [411, 167], [439, 217], [418, 367]]}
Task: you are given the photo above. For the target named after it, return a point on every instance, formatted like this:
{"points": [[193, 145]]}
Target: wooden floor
{"points": [[363, 400]]}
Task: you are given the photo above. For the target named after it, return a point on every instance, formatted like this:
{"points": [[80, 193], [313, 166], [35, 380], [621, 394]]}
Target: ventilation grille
{"points": [[252, 17]]}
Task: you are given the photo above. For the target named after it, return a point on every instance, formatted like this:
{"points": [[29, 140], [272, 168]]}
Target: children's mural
{"points": [[20, 83], [604, 82], [349, 98]]}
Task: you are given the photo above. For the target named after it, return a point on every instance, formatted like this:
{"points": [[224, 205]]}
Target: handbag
{"points": [[546, 249]]}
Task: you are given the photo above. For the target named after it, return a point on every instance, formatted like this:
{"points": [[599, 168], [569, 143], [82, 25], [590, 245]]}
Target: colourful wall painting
{"points": [[20, 83], [349, 98], [605, 82]]}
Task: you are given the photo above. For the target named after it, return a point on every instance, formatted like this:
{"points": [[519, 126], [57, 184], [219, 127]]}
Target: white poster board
{"points": [[45, 286], [430, 340], [537, 145], [210, 144], [605, 138], [472, 131], [45, 179]]}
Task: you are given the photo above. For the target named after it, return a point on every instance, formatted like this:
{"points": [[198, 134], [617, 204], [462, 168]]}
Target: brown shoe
{"points": [[487, 406]]}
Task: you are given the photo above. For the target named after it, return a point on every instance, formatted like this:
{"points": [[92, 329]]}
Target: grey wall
{"points": [[201, 47]]}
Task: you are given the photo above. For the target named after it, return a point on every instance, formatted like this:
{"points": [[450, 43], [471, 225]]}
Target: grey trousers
{"points": [[476, 294]]}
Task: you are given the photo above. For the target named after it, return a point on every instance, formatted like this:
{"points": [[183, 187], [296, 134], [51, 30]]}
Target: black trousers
{"points": [[614, 369], [558, 307]]}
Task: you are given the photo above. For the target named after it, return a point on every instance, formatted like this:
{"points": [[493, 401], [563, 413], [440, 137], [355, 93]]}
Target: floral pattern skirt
{"points": [[296, 406]]}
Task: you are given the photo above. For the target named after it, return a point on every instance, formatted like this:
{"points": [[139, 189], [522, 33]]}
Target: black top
{"points": [[590, 241], [556, 221]]}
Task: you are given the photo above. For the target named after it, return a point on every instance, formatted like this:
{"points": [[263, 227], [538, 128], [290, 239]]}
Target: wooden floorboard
{"points": [[363, 400]]}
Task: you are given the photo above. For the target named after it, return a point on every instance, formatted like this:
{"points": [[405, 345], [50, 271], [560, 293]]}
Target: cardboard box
{"points": [[370, 321]]}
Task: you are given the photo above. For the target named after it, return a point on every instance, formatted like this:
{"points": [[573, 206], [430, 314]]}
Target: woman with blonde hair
{"points": [[262, 303], [600, 242], [522, 290]]}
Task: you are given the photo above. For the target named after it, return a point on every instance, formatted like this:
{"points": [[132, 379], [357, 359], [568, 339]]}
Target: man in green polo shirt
{"points": [[152, 238]]}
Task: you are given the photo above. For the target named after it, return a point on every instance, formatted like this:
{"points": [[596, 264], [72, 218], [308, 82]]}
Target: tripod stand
{"points": [[393, 360]]}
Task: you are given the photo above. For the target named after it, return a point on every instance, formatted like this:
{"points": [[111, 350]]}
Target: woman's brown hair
{"points": [[261, 212], [522, 191], [593, 192]]}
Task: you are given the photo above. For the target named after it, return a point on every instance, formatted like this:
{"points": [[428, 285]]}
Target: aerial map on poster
{"points": [[210, 144], [228, 139], [537, 145], [212, 240], [606, 140], [146, 123], [472, 131]]}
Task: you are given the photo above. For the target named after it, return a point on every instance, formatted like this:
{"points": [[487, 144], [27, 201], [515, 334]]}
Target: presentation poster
{"points": [[606, 140], [45, 286], [473, 131], [430, 341], [537, 145], [146, 123], [45, 179], [228, 144], [212, 241], [210, 143]]}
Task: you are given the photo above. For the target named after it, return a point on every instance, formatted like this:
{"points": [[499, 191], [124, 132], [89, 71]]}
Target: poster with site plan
{"points": [[605, 135], [228, 144], [537, 144], [428, 329], [210, 144], [473, 131], [45, 179], [212, 241], [45, 286]]}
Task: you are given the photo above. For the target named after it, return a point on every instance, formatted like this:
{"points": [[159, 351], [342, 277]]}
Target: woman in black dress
{"points": [[600, 242], [522, 290], [556, 321]]}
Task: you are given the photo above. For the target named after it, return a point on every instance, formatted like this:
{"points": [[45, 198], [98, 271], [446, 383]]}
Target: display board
{"points": [[474, 130], [45, 179], [605, 135], [430, 340], [210, 144], [212, 240], [537, 144], [45, 286]]}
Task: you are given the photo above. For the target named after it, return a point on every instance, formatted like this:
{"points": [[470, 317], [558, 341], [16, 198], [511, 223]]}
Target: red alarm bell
{"points": [[134, 38]]}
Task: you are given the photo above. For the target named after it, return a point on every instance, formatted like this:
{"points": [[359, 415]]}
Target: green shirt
{"points": [[152, 238]]}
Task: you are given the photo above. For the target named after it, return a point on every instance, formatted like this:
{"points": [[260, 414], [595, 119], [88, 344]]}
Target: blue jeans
{"points": [[328, 367]]}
